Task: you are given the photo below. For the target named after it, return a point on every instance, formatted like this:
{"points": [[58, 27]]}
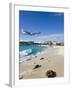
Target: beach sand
{"points": [[52, 59]]}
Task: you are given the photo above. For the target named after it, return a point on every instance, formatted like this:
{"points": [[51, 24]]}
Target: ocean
{"points": [[26, 52]]}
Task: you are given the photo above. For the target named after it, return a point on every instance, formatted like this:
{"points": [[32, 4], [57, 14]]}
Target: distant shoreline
{"points": [[50, 43]]}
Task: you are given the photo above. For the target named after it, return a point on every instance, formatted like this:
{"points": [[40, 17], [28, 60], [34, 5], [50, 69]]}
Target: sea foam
{"points": [[25, 52]]}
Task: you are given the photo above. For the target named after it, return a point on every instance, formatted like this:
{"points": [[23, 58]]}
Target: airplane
{"points": [[30, 33]]}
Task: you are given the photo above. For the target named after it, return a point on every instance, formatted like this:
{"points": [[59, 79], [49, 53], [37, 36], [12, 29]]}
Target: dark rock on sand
{"points": [[37, 66], [21, 77], [51, 74], [28, 59], [35, 56], [41, 58]]}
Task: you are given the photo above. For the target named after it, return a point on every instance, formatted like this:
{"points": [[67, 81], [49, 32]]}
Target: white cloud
{"points": [[52, 37]]}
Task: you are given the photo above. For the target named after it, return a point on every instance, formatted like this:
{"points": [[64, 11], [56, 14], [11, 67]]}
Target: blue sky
{"points": [[50, 24]]}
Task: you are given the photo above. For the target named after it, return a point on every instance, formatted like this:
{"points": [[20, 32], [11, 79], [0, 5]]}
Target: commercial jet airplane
{"points": [[30, 33]]}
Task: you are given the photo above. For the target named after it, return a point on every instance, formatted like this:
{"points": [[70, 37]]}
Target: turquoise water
{"points": [[33, 48]]}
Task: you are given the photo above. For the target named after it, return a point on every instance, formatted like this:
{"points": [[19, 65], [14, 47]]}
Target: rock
{"points": [[37, 66], [41, 58], [28, 59], [21, 77], [51, 74], [35, 56]]}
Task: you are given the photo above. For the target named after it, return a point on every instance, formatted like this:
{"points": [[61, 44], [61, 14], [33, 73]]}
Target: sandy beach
{"points": [[51, 59]]}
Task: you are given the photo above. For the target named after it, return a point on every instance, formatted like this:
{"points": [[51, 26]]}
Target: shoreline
{"points": [[53, 59], [32, 55]]}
